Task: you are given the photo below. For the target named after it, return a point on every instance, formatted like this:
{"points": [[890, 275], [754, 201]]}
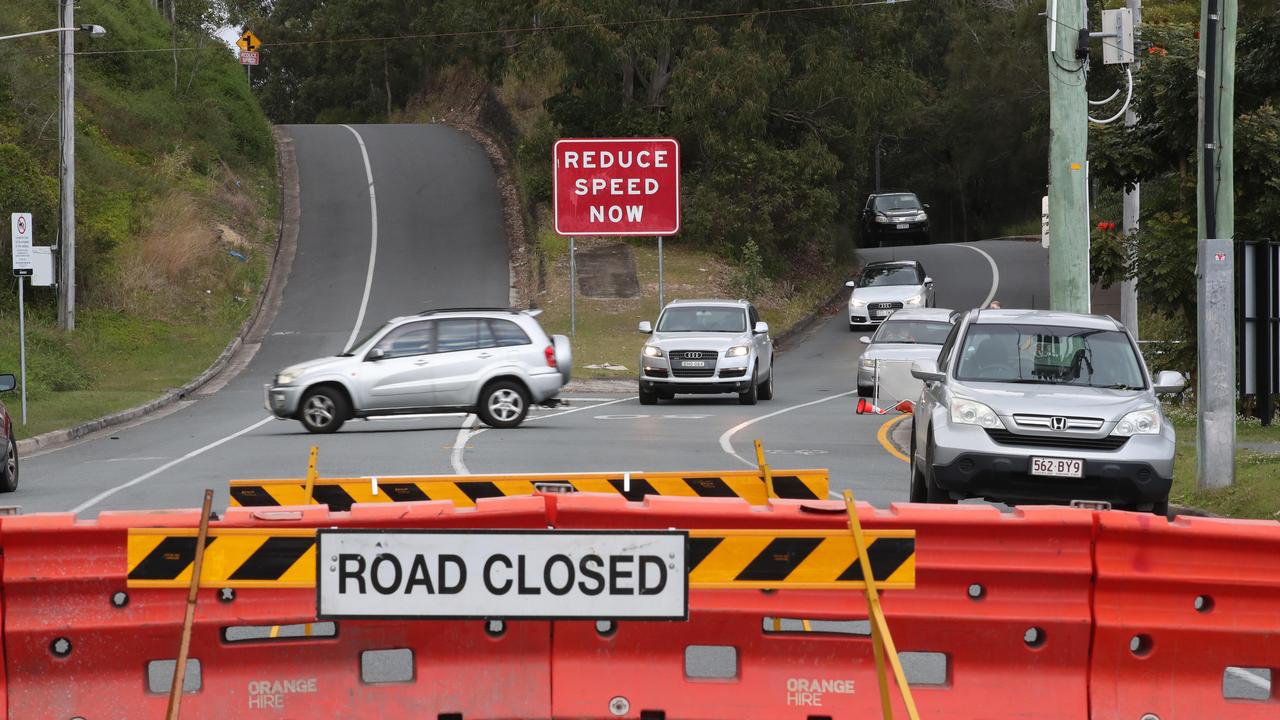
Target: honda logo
{"points": [[1058, 423]]}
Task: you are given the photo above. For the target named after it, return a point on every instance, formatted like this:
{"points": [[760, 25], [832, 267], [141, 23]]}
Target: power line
{"points": [[523, 29]]}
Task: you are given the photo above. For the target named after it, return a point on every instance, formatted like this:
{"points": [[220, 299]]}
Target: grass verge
{"points": [[1256, 492]]}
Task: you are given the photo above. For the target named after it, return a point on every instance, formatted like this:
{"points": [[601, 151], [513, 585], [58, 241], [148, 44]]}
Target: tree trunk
{"points": [[386, 80], [661, 75], [628, 79]]}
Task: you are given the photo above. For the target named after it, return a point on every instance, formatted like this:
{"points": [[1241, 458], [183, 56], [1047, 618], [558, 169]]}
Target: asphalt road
{"points": [[396, 218]]}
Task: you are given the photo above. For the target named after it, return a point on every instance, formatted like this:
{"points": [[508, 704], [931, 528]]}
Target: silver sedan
{"points": [[908, 335]]}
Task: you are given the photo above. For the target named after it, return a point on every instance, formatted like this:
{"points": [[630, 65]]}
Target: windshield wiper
{"points": [[1116, 386]]}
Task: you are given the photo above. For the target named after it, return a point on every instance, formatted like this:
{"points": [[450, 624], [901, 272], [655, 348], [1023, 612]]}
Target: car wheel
{"points": [[503, 404], [648, 397], [765, 389], [1161, 508], [933, 493], [9, 472], [324, 410], [749, 396]]}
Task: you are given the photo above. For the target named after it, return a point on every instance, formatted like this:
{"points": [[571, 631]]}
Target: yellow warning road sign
{"points": [[248, 41]]}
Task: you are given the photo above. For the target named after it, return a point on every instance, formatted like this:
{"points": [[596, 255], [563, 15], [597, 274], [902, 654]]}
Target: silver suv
{"points": [[1029, 406], [492, 362], [707, 347]]}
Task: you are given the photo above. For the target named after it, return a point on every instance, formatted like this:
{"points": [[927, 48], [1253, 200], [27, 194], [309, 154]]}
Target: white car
{"points": [[707, 347], [490, 361], [887, 286], [907, 336]]}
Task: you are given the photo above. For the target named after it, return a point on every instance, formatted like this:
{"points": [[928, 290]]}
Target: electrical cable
{"points": [[1127, 99], [1104, 102]]}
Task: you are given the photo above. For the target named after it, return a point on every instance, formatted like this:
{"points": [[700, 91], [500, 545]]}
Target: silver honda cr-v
{"points": [[495, 363], [1029, 406]]}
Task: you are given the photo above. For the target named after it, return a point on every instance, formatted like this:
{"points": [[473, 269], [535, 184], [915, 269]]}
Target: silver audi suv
{"points": [[1032, 406], [707, 347], [492, 362]]}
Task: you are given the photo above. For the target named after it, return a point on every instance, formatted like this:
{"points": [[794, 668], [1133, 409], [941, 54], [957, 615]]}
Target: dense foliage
{"points": [[779, 105]]}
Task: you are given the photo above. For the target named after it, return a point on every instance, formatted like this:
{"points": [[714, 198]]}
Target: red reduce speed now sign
{"points": [[617, 186]]}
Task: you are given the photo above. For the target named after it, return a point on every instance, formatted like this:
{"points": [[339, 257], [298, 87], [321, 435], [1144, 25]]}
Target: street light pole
{"points": [[67, 230]]}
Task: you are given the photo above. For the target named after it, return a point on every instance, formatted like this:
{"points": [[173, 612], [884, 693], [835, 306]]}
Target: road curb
{"points": [[277, 275]]}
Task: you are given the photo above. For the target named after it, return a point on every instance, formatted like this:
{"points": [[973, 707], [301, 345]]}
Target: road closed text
{"points": [[502, 574]]}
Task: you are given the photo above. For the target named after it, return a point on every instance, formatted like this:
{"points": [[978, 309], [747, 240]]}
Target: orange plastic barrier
{"points": [[1188, 618], [78, 644], [1001, 599]]}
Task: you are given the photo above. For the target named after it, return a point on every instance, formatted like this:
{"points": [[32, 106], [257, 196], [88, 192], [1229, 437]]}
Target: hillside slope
{"points": [[175, 204]]}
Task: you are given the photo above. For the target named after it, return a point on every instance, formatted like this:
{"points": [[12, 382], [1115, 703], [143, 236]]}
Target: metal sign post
{"points": [[573, 290], [23, 266], [661, 302]]}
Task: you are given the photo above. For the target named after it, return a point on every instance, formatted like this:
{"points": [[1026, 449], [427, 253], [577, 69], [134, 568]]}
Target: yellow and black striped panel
{"points": [[233, 557], [717, 559], [798, 559], [341, 493]]}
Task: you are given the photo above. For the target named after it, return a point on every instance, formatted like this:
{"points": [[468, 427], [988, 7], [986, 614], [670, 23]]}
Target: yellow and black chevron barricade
{"points": [[717, 559], [340, 493]]}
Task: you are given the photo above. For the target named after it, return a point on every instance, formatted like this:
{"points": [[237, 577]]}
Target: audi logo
{"points": [[693, 355], [1058, 423]]}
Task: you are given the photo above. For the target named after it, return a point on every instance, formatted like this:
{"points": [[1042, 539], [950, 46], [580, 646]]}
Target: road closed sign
{"points": [[501, 574], [617, 186]]}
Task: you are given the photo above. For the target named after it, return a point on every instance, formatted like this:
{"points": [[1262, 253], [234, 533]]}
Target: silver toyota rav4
{"points": [[1029, 406], [492, 362], [707, 346]]}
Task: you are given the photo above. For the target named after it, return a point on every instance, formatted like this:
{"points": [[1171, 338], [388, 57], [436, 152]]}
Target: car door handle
{"points": [[485, 356], [420, 363]]}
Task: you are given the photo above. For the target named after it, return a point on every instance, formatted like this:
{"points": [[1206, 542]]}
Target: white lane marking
{"points": [[995, 273], [456, 458], [373, 239], [147, 476], [1254, 679], [116, 460], [460, 445], [355, 331], [726, 442]]}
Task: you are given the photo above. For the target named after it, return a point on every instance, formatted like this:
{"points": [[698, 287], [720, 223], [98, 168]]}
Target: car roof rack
{"points": [[435, 311]]}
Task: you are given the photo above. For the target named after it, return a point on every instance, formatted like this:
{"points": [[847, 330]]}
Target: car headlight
{"points": [[652, 351], [1139, 422], [920, 217], [737, 351], [864, 364], [856, 303], [284, 377], [884, 219], [969, 412], [914, 299]]}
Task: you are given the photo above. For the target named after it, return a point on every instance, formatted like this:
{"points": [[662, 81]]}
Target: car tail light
{"points": [[550, 352]]}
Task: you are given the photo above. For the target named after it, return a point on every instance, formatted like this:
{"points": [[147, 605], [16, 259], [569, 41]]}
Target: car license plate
{"points": [[903, 226], [1057, 467], [880, 313], [694, 363]]}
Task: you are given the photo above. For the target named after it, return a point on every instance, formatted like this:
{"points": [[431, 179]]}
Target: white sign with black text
{"points": [[23, 262], [501, 574]]}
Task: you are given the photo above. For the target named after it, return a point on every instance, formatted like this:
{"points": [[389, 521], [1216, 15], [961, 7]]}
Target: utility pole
{"points": [[1132, 202], [1068, 155], [1215, 275], [67, 232]]}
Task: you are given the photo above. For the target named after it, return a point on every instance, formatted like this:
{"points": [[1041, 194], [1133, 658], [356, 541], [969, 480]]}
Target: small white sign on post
{"points": [[23, 262], [1044, 221], [42, 257], [501, 574]]}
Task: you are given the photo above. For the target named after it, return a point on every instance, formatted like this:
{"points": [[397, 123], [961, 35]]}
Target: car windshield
{"points": [[891, 203], [884, 275], [703, 319], [360, 344], [923, 332], [1048, 355]]}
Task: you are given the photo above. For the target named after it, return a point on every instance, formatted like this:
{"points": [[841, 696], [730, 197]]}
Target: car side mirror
{"points": [[865, 339], [926, 206], [1169, 382], [926, 370], [851, 284], [761, 328], [375, 354], [646, 327], [8, 382], [928, 281]]}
